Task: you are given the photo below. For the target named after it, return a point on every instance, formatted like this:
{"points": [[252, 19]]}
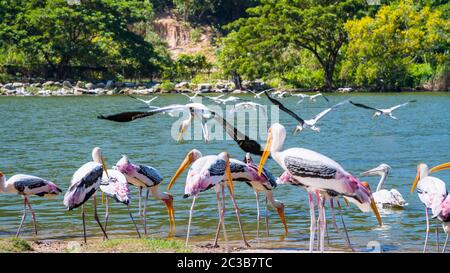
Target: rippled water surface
{"points": [[51, 137]]}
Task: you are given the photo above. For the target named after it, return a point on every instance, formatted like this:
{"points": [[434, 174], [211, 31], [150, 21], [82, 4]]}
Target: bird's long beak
{"points": [[228, 174], [104, 167], [283, 219], [441, 167], [184, 165], [373, 205], [416, 180], [171, 213], [371, 172], [266, 152]]}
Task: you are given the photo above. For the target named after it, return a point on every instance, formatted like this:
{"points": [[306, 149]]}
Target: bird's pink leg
{"points": [[140, 201], [347, 239], [33, 216], [236, 209], [427, 231], [84, 223], [24, 215], [96, 217], [445, 244], [322, 222], [437, 237], [144, 215], [312, 229], [258, 216], [219, 209], [222, 217], [132, 219], [106, 213], [191, 211], [267, 218]]}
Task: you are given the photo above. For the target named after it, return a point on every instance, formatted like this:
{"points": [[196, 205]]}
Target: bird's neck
{"points": [[3, 187], [382, 179], [271, 200], [157, 194]]}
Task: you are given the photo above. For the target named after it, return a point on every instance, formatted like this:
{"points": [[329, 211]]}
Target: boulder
{"points": [[89, 85], [48, 83], [80, 84], [182, 85], [67, 84], [17, 84], [37, 84], [204, 86], [8, 86], [109, 84], [100, 85]]}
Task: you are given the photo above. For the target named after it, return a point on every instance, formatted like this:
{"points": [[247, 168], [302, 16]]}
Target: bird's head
{"points": [[168, 202], [382, 169], [192, 156], [298, 129], [422, 171]]}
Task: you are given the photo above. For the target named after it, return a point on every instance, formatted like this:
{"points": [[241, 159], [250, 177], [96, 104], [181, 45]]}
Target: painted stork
{"points": [[442, 213], [27, 185], [208, 172], [380, 111], [84, 184], [385, 198], [431, 190], [318, 172], [147, 177], [247, 172], [115, 186]]}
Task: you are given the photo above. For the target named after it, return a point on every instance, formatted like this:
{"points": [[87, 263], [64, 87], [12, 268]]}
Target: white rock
{"points": [[67, 84], [48, 83], [89, 86]]}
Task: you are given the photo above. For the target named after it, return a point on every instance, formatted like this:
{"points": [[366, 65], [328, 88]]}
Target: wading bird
{"points": [[247, 172], [442, 213], [148, 102], [208, 172], [380, 111], [147, 177], [287, 178], [27, 185], [115, 186], [248, 105], [431, 190], [318, 172], [310, 123], [84, 184], [245, 143], [385, 198]]}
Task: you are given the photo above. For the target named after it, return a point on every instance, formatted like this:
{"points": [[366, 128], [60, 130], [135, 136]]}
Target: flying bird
{"points": [[245, 143], [380, 111], [248, 105], [312, 98], [147, 102], [305, 124], [385, 198], [28, 185]]}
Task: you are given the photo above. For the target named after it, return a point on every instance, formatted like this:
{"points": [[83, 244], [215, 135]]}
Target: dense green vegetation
{"points": [[292, 43]]}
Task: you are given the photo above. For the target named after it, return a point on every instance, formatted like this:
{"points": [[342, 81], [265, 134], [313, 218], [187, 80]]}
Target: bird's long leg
{"points": [[140, 201], [145, 212], [219, 209], [134, 223], [236, 209], [258, 216], [222, 217], [321, 229], [106, 213], [84, 223], [437, 237], [324, 226], [427, 231], [24, 215], [267, 218], [33, 216], [191, 212], [347, 238], [96, 216], [445, 244], [312, 228]]}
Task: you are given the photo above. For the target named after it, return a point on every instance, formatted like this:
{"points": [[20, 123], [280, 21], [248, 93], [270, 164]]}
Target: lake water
{"points": [[52, 136]]}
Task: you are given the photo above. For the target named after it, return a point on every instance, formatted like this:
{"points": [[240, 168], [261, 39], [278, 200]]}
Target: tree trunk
{"points": [[236, 78]]}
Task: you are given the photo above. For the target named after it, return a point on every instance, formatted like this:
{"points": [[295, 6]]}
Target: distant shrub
{"points": [[167, 86]]}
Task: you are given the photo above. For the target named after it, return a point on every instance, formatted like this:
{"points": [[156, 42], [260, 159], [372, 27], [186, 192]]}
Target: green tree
{"points": [[93, 33], [401, 46], [256, 45]]}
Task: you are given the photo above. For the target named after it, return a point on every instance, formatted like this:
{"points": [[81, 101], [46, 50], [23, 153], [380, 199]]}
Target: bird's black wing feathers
{"points": [[127, 116], [284, 109], [364, 106]]}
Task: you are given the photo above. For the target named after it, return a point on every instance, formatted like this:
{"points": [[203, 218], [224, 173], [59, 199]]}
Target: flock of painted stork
{"points": [[322, 178]]}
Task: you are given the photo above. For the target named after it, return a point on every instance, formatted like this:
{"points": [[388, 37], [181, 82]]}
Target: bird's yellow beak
{"points": [[171, 213], [228, 174], [104, 167], [181, 132], [416, 180], [441, 167], [282, 218], [266, 152], [184, 165], [373, 205]]}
